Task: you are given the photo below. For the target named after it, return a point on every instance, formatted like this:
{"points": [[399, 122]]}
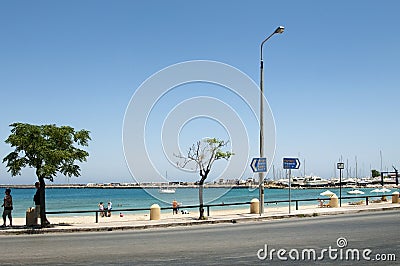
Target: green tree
{"points": [[201, 156], [375, 173], [48, 149]]}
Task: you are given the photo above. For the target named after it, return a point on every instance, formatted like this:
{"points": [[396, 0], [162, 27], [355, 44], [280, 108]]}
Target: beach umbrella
{"points": [[327, 193]]}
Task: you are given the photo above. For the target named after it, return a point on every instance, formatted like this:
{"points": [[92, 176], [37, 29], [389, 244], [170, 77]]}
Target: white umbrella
{"points": [[327, 193]]}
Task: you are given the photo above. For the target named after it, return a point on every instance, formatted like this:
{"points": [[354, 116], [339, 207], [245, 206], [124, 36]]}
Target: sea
{"points": [[87, 199]]}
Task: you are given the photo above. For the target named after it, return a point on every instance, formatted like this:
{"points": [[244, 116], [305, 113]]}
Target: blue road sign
{"points": [[291, 163], [259, 165]]}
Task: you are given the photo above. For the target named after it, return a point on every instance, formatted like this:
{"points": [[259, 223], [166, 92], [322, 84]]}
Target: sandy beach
{"points": [[165, 215]]}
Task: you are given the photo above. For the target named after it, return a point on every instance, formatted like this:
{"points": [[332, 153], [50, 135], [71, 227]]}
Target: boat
{"points": [[349, 182], [315, 181], [355, 192], [166, 190], [283, 182], [364, 182], [298, 181]]}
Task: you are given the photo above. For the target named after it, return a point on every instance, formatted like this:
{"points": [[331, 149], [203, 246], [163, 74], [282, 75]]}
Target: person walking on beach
{"points": [[8, 207], [36, 199], [175, 205]]}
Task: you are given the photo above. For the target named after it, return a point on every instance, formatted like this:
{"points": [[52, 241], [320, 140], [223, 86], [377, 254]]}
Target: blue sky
{"points": [[331, 78]]}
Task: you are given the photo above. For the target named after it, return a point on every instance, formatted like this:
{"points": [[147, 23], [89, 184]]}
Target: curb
{"points": [[191, 223]]}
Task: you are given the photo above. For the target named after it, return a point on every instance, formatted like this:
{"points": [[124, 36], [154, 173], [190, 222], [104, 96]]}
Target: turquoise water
{"points": [[72, 199]]}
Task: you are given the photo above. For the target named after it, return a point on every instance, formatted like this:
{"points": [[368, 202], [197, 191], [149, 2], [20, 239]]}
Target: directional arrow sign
{"points": [[259, 165], [291, 163]]}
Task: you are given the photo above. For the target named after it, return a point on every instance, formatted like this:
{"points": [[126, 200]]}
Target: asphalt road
{"points": [[223, 244]]}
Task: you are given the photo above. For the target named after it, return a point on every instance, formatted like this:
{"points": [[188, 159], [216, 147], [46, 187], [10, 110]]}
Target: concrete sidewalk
{"points": [[182, 220]]}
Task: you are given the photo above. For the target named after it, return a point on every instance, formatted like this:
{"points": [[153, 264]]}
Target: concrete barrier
{"points": [[395, 197], [155, 212], [334, 201], [254, 206], [30, 217]]}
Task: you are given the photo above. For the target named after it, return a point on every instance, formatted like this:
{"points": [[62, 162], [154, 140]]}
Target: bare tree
{"points": [[202, 156]]}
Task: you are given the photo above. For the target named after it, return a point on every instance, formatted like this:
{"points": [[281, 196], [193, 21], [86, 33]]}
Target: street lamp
{"points": [[280, 29]]}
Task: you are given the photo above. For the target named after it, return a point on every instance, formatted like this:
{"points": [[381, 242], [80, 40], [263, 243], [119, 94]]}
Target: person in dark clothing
{"points": [[8, 207], [36, 199]]}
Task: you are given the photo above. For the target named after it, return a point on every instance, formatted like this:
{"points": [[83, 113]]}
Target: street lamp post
{"points": [[280, 29], [340, 166]]}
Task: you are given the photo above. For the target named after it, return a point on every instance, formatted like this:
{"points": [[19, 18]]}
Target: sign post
{"points": [[340, 166], [290, 189], [290, 163]]}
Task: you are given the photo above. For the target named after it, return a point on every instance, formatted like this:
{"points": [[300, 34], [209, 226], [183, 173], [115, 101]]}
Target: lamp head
{"points": [[280, 29]]}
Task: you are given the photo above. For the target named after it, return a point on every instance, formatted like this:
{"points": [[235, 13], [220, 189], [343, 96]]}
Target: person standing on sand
{"points": [[101, 209], [109, 207], [36, 199], [8, 207], [175, 205]]}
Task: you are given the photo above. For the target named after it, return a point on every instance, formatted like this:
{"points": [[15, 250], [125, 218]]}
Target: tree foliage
{"points": [[202, 155], [375, 173], [48, 149]]}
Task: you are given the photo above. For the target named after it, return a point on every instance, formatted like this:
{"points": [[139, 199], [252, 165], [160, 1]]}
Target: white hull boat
{"points": [[166, 191], [355, 192]]}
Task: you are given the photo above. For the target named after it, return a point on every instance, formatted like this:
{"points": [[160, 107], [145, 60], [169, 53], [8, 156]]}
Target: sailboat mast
{"points": [[273, 172], [356, 167]]}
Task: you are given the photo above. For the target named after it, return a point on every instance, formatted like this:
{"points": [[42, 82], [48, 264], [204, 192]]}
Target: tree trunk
{"points": [[201, 208], [43, 219]]}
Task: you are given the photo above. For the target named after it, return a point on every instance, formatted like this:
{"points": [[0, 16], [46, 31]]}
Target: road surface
{"points": [[220, 244]]}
